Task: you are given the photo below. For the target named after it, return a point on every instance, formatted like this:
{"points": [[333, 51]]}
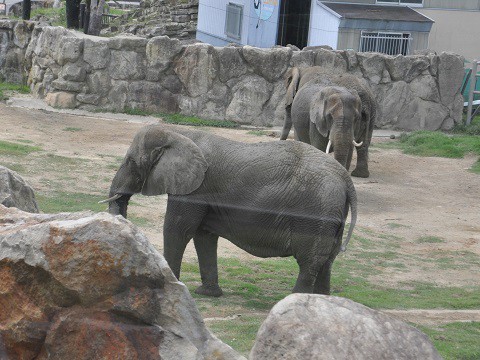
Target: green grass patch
{"points": [[458, 340], [472, 129], [57, 16], [195, 121], [69, 202], [12, 87], [396, 226], [239, 333], [72, 129], [476, 167], [9, 148], [431, 143], [430, 240]]}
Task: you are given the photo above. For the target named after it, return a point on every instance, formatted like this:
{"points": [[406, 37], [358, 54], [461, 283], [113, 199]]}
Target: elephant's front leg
{"points": [[181, 223], [206, 247], [361, 170]]}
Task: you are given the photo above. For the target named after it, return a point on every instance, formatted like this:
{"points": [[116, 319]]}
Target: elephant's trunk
{"points": [[343, 148], [119, 206]]}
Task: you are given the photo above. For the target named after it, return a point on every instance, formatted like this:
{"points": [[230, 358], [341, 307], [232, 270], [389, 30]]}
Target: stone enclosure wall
{"points": [[242, 84]]}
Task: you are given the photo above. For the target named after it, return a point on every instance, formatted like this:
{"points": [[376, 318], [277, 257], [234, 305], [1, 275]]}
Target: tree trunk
{"points": [[73, 12], [96, 11], [26, 9]]}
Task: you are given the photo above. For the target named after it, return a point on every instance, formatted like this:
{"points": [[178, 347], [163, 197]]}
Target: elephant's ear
{"points": [[318, 113], [292, 77], [177, 166]]}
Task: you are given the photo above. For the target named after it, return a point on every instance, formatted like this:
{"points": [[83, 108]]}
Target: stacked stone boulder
{"points": [[307, 326], [15, 192], [239, 83], [91, 286]]}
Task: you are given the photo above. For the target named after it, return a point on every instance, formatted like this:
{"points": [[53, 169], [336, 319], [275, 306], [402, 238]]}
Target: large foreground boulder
{"points": [[15, 192], [306, 326], [91, 286]]}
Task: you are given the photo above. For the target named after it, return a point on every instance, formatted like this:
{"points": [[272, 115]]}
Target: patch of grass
{"points": [[19, 168], [24, 141], [72, 129], [139, 221], [458, 340], [430, 240], [476, 167], [472, 129], [431, 143], [239, 333], [12, 87], [137, 112], [9, 148], [53, 159], [194, 121], [57, 16], [69, 202]]}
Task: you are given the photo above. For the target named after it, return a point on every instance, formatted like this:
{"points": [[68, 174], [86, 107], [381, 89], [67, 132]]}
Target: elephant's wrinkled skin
{"points": [[270, 199], [324, 107]]}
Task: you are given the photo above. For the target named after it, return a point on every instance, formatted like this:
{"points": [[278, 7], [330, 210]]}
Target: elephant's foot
{"points": [[361, 172], [211, 290]]}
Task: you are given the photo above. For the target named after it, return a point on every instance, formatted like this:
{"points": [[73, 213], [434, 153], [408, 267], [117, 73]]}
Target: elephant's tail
{"points": [[352, 200], [288, 123]]}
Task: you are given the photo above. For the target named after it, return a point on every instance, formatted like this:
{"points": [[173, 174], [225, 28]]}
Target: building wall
{"points": [[435, 4], [454, 31], [211, 22], [323, 27]]}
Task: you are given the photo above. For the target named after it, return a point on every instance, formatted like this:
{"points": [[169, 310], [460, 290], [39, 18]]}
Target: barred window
{"points": [[385, 42], [233, 21]]}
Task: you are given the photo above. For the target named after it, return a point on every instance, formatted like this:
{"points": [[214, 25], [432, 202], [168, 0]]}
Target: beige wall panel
{"points": [[454, 31]]}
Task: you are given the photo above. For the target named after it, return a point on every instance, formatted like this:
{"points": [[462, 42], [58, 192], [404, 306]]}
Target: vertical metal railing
{"points": [[472, 91], [386, 43]]}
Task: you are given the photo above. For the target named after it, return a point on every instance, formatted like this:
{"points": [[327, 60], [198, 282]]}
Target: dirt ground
{"points": [[407, 196]]}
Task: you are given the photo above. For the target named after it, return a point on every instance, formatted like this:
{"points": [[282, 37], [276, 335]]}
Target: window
{"points": [[401, 2], [233, 21], [385, 42]]}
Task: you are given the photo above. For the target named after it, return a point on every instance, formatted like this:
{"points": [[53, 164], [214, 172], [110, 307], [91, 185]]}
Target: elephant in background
{"points": [[273, 199], [331, 109]]}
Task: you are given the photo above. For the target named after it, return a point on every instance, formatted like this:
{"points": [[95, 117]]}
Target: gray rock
{"points": [[127, 65], [65, 85], [269, 63], [73, 72], [128, 43], [69, 49], [161, 51], [308, 326], [372, 66], [21, 33], [96, 53], [425, 87], [303, 58], [231, 63], [249, 97], [91, 99], [332, 60], [15, 192], [99, 83], [427, 115], [392, 99], [450, 76], [197, 68], [89, 285]]}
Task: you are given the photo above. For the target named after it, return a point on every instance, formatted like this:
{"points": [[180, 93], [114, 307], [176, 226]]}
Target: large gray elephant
{"points": [[272, 199], [331, 111]]}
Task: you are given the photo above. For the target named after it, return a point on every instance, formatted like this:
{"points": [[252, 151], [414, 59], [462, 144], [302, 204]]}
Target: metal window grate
{"points": [[385, 42], [233, 21]]}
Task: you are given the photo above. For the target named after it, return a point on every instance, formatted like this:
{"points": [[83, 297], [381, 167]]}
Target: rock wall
{"points": [[242, 84], [174, 18]]}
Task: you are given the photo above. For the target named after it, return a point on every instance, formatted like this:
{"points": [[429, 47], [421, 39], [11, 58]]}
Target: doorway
{"points": [[293, 23]]}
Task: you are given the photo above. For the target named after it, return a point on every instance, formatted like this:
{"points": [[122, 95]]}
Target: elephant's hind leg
{"points": [[206, 247], [322, 283]]}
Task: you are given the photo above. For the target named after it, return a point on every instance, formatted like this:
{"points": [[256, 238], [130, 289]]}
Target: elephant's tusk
{"points": [[113, 198], [357, 144], [329, 145]]}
